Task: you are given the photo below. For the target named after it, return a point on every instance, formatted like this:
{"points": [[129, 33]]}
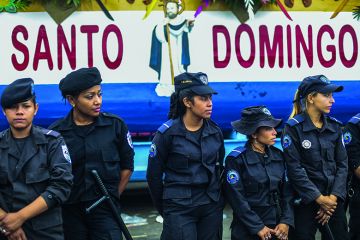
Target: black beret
{"points": [[254, 117], [196, 82], [317, 83], [18, 91], [79, 80]]}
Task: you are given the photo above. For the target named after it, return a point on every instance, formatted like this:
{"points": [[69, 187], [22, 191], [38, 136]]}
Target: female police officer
{"points": [[98, 141], [316, 160], [189, 150], [352, 144], [256, 184], [35, 169]]}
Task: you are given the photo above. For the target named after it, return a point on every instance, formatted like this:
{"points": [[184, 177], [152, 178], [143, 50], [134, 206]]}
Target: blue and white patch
{"points": [[203, 79], [347, 138], [286, 141], [232, 176], [32, 89], [325, 79], [152, 152], [266, 111], [306, 144], [128, 137], [66, 153]]}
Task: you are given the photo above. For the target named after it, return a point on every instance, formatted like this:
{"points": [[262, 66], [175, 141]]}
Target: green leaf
{"points": [[1, 9], [356, 13], [11, 8]]}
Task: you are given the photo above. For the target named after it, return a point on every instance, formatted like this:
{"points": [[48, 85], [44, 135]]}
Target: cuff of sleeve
{"points": [[256, 229], [356, 164], [287, 222], [50, 200], [312, 197], [338, 195]]}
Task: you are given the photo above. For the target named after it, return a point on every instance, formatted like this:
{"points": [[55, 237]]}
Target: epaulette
{"points": [[2, 133], [355, 119], [236, 152], [111, 115], [50, 132], [295, 120], [335, 120], [165, 126]]}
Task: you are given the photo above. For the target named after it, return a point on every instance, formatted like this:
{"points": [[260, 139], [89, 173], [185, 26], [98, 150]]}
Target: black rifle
{"points": [[298, 201], [107, 197]]}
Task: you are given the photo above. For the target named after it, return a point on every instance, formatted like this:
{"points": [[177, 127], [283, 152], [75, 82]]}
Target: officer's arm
{"points": [[352, 144], [126, 158], [339, 186], [296, 173], [287, 199], [234, 190], [61, 179], [155, 169]]}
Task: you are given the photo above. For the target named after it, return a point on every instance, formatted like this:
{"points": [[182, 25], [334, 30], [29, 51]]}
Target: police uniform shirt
{"points": [[352, 141], [257, 188], [41, 168], [316, 158], [189, 166], [104, 145]]}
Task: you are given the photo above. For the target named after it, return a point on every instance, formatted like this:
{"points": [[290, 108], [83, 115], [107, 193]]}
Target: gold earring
{"points": [[73, 105]]}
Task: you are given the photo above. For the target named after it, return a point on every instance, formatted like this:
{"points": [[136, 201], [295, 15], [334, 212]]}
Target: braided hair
{"points": [[177, 106]]}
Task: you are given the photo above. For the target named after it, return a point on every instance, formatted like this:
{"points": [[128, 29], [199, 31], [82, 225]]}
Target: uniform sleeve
{"points": [[299, 179], [340, 181], [234, 189], [352, 144], [61, 178], [126, 149], [155, 170], [287, 199]]}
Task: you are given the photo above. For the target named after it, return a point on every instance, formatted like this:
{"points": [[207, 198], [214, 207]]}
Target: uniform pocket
{"points": [[178, 161], [251, 187], [40, 175], [110, 155]]}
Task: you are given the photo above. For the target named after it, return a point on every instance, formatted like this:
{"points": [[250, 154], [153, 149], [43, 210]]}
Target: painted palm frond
{"points": [[356, 13]]}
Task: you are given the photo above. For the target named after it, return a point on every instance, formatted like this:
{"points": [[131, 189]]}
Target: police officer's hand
{"points": [[11, 221], [282, 231], [17, 235], [322, 216], [327, 204], [357, 172], [265, 233]]}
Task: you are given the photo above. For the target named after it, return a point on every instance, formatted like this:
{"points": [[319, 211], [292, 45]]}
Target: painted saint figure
{"points": [[160, 58]]}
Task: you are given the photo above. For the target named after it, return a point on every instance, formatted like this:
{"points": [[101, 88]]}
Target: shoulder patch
{"points": [[286, 141], [111, 115], [295, 120], [66, 153], [50, 132], [355, 119], [165, 126], [335, 120], [236, 152], [152, 151], [232, 176], [347, 137]]}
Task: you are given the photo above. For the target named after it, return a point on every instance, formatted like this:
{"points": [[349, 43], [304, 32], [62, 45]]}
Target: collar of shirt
{"points": [[309, 126]]}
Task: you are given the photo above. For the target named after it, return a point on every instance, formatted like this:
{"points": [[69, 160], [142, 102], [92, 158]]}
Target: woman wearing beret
{"points": [[256, 184], [185, 161], [35, 170], [99, 141], [317, 161]]}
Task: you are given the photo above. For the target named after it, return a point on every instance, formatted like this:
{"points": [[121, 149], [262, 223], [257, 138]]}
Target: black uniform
{"points": [[317, 164], [352, 143], [258, 191], [38, 165], [106, 146], [188, 197]]}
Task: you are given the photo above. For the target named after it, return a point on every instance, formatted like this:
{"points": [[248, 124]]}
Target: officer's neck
{"points": [[315, 116], [192, 122], [21, 133], [81, 119]]}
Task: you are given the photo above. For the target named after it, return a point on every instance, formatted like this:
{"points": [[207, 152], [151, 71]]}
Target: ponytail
{"points": [[177, 107], [297, 105]]}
